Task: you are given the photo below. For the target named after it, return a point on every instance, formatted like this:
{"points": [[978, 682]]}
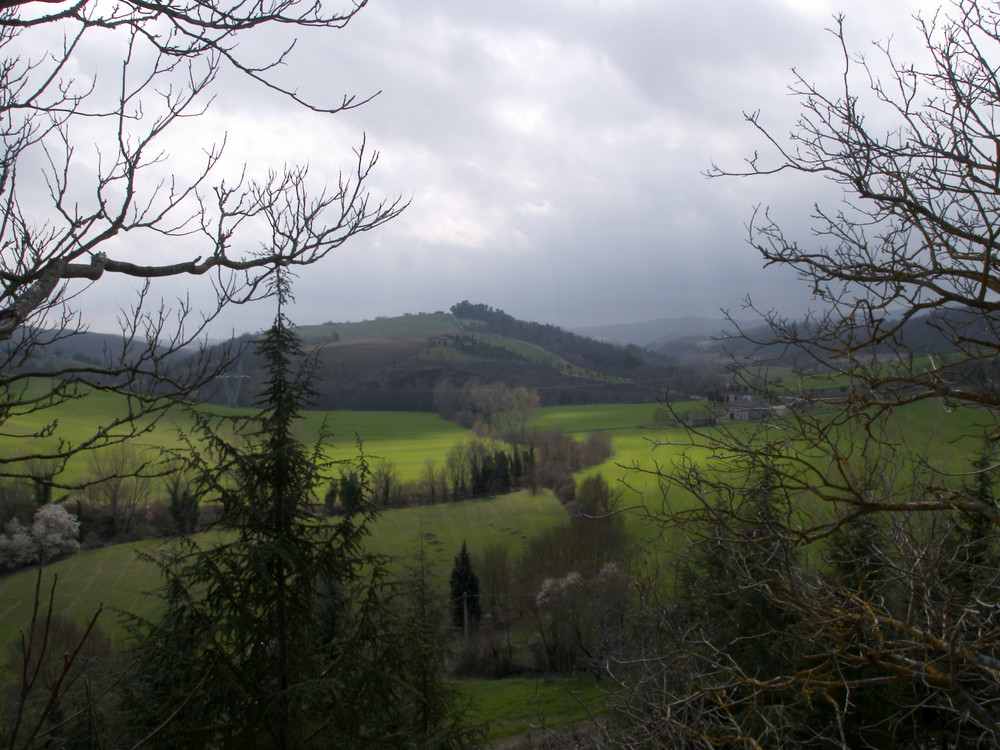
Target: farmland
{"points": [[117, 579]]}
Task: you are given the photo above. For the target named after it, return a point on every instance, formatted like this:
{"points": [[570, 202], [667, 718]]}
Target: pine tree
{"points": [[465, 605], [283, 634]]}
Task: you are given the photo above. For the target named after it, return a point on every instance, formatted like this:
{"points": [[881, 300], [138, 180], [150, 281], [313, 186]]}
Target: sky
{"points": [[552, 152]]}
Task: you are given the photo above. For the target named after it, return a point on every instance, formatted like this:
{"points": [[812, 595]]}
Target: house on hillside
{"points": [[742, 406]]}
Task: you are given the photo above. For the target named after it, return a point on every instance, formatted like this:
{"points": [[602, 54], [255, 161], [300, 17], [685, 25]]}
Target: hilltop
{"points": [[410, 362]]}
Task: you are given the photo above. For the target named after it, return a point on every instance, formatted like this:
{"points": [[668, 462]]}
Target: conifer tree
{"points": [[464, 590], [282, 634]]}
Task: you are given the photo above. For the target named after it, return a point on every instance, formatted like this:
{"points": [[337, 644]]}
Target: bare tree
{"points": [[854, 595], [121, 480], [519, 408], [73, 214]]}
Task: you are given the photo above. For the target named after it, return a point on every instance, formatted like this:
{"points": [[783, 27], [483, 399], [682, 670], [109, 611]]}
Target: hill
{"points": [[411, 362], [658, 333], [403, 363]]}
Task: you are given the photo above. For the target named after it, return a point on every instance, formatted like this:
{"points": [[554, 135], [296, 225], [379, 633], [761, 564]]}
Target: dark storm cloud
{"points": [[554, 151]]}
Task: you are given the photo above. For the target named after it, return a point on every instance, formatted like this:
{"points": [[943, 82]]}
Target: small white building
{"points": [[744, 407]]}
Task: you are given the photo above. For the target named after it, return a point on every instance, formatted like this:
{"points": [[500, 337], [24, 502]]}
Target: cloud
{"points": [[554, 151]]}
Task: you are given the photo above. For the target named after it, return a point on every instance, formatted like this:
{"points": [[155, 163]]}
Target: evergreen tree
{"points": [[464, 590], [281, 635], [183, 505], [422, 615]]}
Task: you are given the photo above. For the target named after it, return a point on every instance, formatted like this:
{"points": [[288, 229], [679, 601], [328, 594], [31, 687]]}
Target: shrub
{"points": [[17, 548], [55, 531]]}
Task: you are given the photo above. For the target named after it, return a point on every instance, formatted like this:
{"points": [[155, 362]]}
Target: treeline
{"points": [[579, 350], [125, 497], [480, 467]]}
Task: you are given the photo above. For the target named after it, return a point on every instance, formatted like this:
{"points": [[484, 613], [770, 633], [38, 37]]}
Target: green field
{"points": [[408, 439], [117, 578], [514, 706]]}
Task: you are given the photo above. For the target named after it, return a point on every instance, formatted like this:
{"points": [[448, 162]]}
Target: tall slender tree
{"points": [[274, 636], [464, 590]]}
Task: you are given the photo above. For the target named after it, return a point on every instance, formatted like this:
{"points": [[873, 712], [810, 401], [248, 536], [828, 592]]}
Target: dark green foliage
{"points": [[465, 605], [351, 492], [856, 555], [422, 613], [283, 635], [182, 505], [731, 590], [330, 498], [975, 531]]}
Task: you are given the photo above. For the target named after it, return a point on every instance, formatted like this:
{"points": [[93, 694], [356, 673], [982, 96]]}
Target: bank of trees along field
{"points": [[825, 575]]}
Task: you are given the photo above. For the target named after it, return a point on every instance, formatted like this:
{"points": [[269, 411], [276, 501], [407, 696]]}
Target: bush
{"points": [[55, 531], [17, 500], [97, 525], [17, 548]]}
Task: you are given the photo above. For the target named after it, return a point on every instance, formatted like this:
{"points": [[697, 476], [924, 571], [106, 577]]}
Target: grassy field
{"points": [[514, 706], [116, 577], [408, 439]]}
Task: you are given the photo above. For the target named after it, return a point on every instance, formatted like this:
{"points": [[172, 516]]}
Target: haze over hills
{"points": [[419, 362], [654, 334]]}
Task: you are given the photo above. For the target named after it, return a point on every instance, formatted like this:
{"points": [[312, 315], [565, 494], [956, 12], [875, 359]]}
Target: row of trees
{"points": [[493, 410], [477, 468]]}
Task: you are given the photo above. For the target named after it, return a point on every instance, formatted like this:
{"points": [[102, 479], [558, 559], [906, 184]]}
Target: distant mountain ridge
{"points": [[654, 334]]}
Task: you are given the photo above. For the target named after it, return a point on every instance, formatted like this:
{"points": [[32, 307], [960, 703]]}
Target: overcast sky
{"points": [[553, 151]]}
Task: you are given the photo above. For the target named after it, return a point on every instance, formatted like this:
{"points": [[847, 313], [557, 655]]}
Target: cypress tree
{"points": [[465, 605]]}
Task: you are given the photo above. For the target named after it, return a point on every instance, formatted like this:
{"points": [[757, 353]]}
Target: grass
{"points": [[514, 706], [408, 439], [117, 578], [112, 577], [510, 520], [588, 418]]}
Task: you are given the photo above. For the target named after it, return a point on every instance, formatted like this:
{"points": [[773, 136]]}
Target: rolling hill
{"points": [[400, 363]]}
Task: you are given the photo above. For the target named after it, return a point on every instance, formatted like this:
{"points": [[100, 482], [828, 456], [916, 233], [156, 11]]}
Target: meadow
{"points": [[118, 579], [408, 439]]}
